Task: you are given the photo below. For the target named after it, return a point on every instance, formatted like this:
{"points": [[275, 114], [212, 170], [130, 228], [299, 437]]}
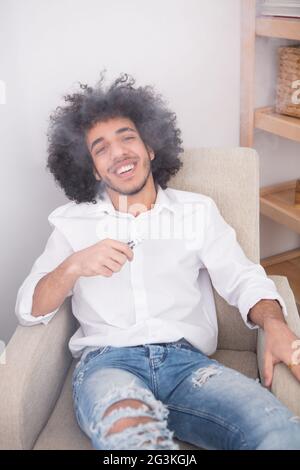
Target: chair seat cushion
{"points": [[242, 361], [63, 433]]}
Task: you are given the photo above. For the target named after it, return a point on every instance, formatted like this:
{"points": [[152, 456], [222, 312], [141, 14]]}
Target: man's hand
{"points": [[279, 341], [103, 258], [281, 344]]}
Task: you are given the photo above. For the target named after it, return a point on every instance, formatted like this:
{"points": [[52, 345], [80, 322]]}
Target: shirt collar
{"points": [[162, 201]]}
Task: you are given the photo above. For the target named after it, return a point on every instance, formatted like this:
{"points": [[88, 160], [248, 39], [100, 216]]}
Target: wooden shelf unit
{"points": [[278, 203], [278, 27], [284, 126], [263, 118]]}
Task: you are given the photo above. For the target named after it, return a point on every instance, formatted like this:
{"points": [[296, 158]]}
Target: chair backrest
{"points": [[230, 176]]}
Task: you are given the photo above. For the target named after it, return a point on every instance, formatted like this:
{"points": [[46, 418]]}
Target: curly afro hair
{"points": [[68, 157]]}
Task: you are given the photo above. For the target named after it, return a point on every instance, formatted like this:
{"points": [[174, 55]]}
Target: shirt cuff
{"points": [[253, 299], [26, 319]]}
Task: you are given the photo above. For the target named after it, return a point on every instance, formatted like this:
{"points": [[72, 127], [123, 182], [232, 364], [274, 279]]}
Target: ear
{"points": [[151, 153], [96, 175]]}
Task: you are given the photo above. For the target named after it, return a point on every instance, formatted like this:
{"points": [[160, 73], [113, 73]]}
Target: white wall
{"points": [[187, 49]]}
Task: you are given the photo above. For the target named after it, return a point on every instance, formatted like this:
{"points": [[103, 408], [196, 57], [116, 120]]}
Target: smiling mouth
{"points": [[128, 171]]}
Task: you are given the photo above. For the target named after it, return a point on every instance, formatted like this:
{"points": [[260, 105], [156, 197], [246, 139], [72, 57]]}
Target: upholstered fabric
{"points": [[37, 360], [35, 382]]}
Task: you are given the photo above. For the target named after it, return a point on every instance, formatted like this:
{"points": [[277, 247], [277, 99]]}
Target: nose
{"points": [[117, 149]]}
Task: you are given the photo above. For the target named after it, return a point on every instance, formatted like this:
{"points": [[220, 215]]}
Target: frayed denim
{"points": [[185, 395]]}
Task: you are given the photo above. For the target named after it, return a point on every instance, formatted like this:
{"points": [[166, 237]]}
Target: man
{"points": [[140, 287]]}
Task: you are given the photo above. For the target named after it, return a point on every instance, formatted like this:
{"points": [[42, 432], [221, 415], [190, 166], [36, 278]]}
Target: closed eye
{"points": [[130, 137], [99, 151]]}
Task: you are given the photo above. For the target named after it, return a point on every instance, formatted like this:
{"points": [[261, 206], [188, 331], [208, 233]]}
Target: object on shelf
{"points": [[297, 193], [287, 8], [288, 82]]}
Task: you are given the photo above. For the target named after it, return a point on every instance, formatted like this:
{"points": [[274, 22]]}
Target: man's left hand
{"points": [[281, 345]]}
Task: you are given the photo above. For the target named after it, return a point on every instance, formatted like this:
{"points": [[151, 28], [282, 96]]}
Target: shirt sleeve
{"points": [[238, 280], [57, 249]]}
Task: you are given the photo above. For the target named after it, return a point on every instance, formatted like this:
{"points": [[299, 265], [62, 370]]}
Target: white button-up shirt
{"points": [[165, 292]]}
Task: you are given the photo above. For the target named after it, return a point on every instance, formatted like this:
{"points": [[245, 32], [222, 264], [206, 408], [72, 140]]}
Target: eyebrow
{"points": [[118, 131]]}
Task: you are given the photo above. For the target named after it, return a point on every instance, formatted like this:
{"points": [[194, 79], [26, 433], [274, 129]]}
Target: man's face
{"points": [[115, 145]]}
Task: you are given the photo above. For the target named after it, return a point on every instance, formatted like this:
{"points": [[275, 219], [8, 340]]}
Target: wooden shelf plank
{"points": [[286, 264], [281, 257], [278, 27], [284, 126], [278, 203], [247, 72]]}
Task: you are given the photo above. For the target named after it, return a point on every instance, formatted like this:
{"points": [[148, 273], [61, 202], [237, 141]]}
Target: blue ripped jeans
{"points": [[183, 394]]}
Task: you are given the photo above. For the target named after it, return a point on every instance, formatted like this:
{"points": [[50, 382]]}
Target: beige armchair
{"points": [[36, 410]]}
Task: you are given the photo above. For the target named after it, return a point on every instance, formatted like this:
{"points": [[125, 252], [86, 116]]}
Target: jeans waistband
{"points": [[179, 341]]}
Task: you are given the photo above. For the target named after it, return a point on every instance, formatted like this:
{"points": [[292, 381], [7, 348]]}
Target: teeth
{"points": [[124, 168]]}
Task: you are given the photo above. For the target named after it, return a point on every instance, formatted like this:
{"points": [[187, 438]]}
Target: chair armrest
{"points": [[284, 385], [36, 361]]}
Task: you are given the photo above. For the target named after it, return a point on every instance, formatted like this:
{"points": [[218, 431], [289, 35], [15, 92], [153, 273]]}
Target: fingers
{"points": [[113, 265], [121, 247], [295, 369], [116, 260], [268, 369], [106, 272], [118, 256]]}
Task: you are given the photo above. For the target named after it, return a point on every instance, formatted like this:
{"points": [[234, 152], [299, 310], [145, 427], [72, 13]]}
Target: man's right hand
{"points": [[103, 258]]}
